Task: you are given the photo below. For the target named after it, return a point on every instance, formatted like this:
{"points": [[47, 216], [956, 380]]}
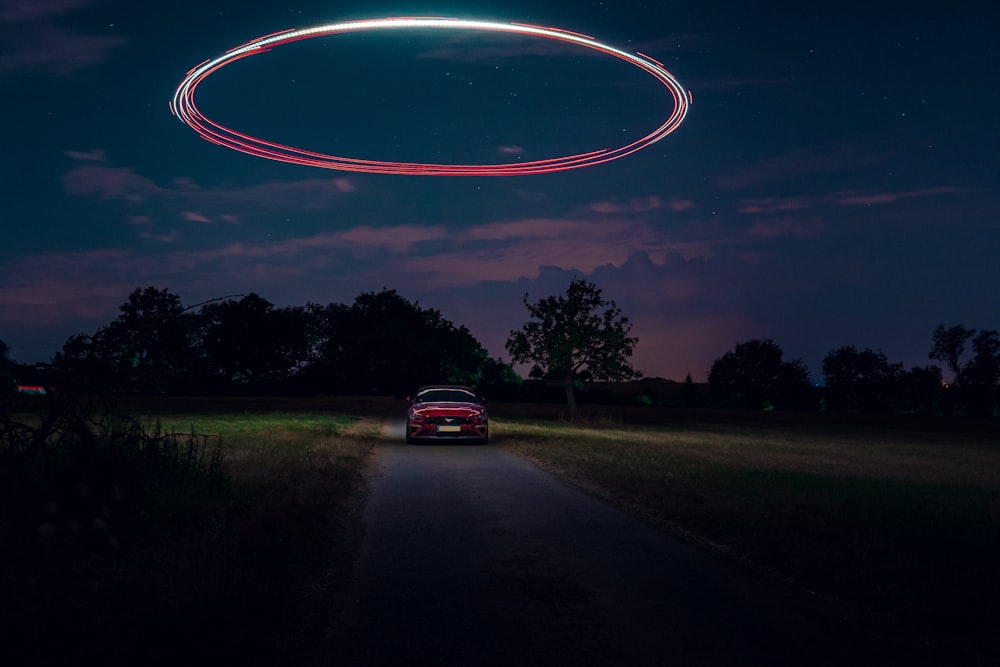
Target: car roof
{"points": [[460, 387]]}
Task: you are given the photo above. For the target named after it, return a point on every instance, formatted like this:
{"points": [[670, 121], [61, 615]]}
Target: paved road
{"points": [[473, 556]]}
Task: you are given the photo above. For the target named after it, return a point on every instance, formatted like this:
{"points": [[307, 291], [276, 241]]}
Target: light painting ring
{"points": [[183, 105]]}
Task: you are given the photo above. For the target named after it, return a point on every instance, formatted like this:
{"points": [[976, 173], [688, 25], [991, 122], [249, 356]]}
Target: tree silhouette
{"points": [[921, 391], [948, 345], [864, 381], [383, 343], [146, 349], [980, 377], [250, 343], [976, 377], [8, 382], [689, 396], [754, 375], [575, 333]]}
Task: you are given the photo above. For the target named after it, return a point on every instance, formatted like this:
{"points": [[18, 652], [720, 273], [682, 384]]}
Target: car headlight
{"points": [[416, 417]]}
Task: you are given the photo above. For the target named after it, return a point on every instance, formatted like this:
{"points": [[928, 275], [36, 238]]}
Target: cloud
{"points": [[36, 44], [185, 184], [182, 197], [787, 227], [111, 183], [93, 155], [868, 199], [781, 168], [528, 228], [123, 183], [514, 249], [513, 149], [171, 237], [17, 11], [775, 205], [682, 313], [191, 216], [344, 185], [689, 301], [636, 205], [398, 239], [60, 287], [504, 250], [315, 250], [844, 198]]}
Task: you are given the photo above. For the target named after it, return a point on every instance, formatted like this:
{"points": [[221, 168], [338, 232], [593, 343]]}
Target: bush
{"points": [[79, 485]]}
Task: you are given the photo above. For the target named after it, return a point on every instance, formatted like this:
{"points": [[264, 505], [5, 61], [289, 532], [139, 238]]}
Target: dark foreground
{"points": [[473, 556]]}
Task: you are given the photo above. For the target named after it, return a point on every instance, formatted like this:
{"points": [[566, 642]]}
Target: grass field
{"points": [[242, 575], [896, 521], [893, 521]]}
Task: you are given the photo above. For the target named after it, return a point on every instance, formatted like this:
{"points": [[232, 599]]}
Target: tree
{"points": [[864, 381], [147, 349], [385, 344], [921, 391], [500, 380], [948, 345], [754, 375], [977, 379], [250, 343], [8, 383], [689, 395], [984, 367], [980, 377], [577, 332]]}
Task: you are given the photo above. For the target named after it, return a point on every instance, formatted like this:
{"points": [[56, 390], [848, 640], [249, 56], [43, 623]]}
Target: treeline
{"points": [[755, 375], [384, 344], [380, 344]]}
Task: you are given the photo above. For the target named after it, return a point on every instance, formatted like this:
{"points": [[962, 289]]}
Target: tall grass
{"points": [[167, 537]]}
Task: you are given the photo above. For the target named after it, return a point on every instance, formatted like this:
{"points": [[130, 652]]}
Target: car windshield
{"points": [[446, 396]]}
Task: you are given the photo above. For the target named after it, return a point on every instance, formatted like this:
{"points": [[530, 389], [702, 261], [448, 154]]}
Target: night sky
{"points": [[835, 181]]}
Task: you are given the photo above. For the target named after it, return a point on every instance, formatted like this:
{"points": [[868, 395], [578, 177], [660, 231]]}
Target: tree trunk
{"points": [[570, 397]]}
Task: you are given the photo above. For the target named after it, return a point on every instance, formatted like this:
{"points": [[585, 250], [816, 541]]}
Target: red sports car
{"points": [[446, 412]]}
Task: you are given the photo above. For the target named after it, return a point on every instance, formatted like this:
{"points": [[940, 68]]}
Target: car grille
{"points": [[448, 421]]}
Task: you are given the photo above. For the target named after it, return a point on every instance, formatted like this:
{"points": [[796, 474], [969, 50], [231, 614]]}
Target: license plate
{"points": [[449, 429]]}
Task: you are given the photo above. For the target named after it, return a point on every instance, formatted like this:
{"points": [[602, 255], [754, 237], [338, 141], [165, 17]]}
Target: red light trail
{"points": [[183, 105]]}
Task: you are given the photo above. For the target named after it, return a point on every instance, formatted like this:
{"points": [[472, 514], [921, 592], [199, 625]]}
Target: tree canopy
{"points": [[976, 374], [575, 333], [860, 381], [948, 345], [7, 380], [146, 349], [249, 342], [381, 343], [755, 375]]}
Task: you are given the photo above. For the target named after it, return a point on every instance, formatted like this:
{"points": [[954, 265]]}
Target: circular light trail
{"points": [[183, 105]]}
